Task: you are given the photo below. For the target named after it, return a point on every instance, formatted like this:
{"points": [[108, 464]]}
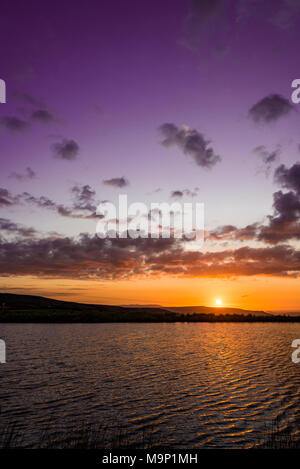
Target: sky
{"points": [[186, 101]]}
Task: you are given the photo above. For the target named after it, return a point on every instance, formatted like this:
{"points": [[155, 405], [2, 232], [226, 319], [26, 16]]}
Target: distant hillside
{"points": [[205, 310], [38, 309], [214, 310], [27, 308]]}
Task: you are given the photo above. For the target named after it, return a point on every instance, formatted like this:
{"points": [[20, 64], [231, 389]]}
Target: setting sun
{"points": [[218, 302]]}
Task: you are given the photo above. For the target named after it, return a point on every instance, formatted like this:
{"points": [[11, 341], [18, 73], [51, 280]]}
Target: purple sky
{"points": [[90, 85]]}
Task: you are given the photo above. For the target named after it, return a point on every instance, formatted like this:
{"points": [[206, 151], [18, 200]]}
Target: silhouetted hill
{"points": [[38, 308], [29, 308], [214, 310], [205, 310]]}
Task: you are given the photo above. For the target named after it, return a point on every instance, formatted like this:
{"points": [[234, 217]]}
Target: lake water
{"points": [[191, 385]]}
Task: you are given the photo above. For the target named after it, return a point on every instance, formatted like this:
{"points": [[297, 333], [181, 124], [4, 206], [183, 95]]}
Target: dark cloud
{"points": [[29, 174], [6, 198], [41, 202], [14, 124], [270, 109], [78, 210], [177, 194], [90, 257], [267, 157], [28, 99], [84, 198], [66, 149], [42, 115], [281, 13], [285, 16], [46, 203], [185, 192], [230, 232], [191, 142], [86, 257], [200, 12], [84, 204], [204, 8], [116, 182], [289, 178], [284, 223], [213, 19], [15, 228]]}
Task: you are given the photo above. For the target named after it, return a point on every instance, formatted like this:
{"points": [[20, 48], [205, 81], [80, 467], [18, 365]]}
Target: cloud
{"points": [[42, 115], [6, 198], [83, 258], [46, 203], [285, 16], [177, 194], [289, 178], [200, 12], [90, 257], [281, 13], [116, 182], [28, 99], [84, 198], [66, 149], [185, 192], [205, 8], [270, 109], [209, 21], [84, 204], [14, 124], [78, 210], [15, 228], [191, 142], [283, 225], [268, 157], [29, 174], [230, 232]]}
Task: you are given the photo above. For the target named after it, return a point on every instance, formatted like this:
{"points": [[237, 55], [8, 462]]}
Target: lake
{"points": [[189, 384]]}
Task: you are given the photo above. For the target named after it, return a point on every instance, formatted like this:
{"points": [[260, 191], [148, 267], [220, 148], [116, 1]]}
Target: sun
{"points": [[218, 302]]}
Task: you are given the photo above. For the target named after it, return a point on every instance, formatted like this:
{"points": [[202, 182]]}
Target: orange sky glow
{"points": [[257, 292]]}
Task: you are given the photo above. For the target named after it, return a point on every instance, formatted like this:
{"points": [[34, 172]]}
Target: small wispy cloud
{"points": [[191, 142], [14, 124], [67, 149], [27, 175], [116, 182], [270, 109]]}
